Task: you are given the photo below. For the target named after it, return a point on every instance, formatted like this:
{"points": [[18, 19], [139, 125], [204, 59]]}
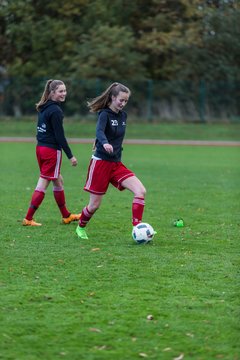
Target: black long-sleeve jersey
{"points": [[50, 132], [110, 129]]}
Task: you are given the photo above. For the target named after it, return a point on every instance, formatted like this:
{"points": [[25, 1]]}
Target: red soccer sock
{"points": [[137, 210], [59, 196], [36, 201], [85, 217]]}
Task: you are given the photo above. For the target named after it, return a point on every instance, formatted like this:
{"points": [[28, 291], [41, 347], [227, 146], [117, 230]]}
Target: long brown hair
{"points": [[105, 99], [51, 85]]}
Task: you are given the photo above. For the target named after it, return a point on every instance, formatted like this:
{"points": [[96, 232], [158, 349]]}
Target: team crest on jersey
{"points": [[114, 122]]}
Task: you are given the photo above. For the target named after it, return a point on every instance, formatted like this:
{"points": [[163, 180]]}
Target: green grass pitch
{"points": [[62, 298]]}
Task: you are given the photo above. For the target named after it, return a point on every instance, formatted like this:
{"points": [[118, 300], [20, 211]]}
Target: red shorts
{"points": [[101, 173], [49, 161]]}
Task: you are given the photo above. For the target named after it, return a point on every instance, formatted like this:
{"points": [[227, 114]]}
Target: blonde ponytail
{"points": [[51, 85]]}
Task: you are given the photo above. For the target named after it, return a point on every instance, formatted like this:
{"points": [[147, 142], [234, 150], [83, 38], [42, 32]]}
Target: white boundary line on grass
{"points": [[133, 141]]}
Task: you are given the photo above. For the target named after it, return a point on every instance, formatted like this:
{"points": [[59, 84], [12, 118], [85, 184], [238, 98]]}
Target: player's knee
{"points": [[93, 207], [140, 192], [144, 191], [61, 179]]}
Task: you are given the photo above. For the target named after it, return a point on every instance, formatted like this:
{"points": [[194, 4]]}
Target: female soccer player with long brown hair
{"points": [[105, 166]]}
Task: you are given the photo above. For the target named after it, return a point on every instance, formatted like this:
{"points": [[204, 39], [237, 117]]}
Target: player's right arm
{"points": [[100, 132]]}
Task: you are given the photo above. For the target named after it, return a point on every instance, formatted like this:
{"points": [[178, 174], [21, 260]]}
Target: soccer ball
{"points": [[143, 233]]}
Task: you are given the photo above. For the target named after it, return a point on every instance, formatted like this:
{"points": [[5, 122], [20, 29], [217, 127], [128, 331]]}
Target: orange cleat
{"points": [[72, 217], [32, 222]]}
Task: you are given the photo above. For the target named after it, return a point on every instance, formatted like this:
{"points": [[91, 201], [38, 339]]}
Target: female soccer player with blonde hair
{"points": [[50, 142]]}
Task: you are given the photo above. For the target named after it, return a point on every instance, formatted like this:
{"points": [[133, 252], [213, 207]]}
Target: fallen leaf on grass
{"points": [[95, 249], [61, 261], [143, 355], [103, 347], [167, 349], [94, 330], [180, 357], [150, 317]]}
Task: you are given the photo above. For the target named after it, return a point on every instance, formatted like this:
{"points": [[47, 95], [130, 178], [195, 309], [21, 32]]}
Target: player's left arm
{"points": [[57, 124]]}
